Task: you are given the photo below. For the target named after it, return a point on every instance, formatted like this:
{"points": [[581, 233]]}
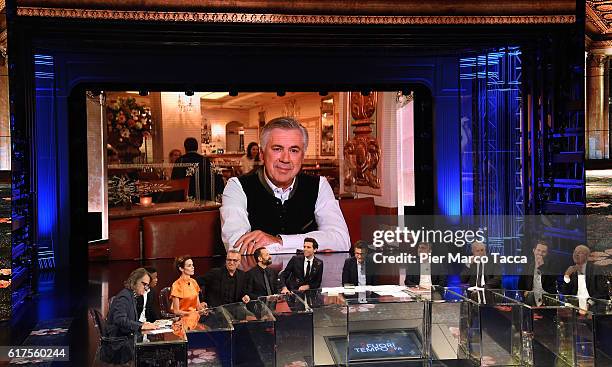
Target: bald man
{"points": [[583, 279]]}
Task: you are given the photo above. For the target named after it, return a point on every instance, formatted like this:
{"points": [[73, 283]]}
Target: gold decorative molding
{"points": [[596, 18], [596, 60], [593, 46], [202, 17], [3, 52], [362, 151]]}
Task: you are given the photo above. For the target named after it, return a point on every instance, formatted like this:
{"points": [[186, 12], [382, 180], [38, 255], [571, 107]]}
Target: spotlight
{"points": [[280, 93], [143, 92], [233, 93], [189, 93], [323, 93], [365, 92]]}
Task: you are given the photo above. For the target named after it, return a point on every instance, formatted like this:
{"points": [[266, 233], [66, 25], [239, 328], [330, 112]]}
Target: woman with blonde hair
{"points": [[172, 157]]}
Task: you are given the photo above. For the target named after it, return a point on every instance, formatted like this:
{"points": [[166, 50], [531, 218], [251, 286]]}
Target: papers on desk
{"points": [[161, 330], [381, 290], [163, 322]]}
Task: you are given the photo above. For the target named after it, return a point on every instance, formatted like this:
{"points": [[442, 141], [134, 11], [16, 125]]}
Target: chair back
{"points": [[93, 324], [100, 322], [164, 303]]}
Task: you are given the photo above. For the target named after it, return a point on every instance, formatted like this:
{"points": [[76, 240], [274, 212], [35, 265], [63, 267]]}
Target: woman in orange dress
{"points": [[185, 290]]}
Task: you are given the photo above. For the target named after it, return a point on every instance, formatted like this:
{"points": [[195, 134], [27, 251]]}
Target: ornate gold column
{"points": [[362, 151], [597, 96]]}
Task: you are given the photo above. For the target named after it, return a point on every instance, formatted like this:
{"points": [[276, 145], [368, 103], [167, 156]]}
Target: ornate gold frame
{"points": [[218, 17]]}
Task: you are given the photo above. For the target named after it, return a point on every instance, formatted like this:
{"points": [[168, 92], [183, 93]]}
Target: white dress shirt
{"points": [[143, 317], [582, 290], [480, 281], [425, 279], [331, 235], [537, 286], [306, 260], [361, 274]]}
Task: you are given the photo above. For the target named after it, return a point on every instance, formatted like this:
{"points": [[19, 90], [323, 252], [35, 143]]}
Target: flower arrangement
{"points": [[128, 123]]}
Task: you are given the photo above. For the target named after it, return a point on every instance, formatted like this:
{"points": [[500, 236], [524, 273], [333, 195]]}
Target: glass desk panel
{"points": [[166, 346], [441, 323], [490, 326], [253, 338], [593, 339], [293, 328], [384, 325], [329, 323], [547, 328], [209, 337]]}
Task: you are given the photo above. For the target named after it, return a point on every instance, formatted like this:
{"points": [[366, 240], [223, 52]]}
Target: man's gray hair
{"points": [[132, 281], [233, 251], [287, 123], [478, 243]]}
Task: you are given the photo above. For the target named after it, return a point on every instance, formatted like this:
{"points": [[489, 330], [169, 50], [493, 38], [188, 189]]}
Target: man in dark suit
{"points": [[225, 284], [584, 279], [303, 272], [149, 300], [424, 273], [481, 274], [538, 275], [122, 320], [192, 156], [359, 269], [262, 280]]}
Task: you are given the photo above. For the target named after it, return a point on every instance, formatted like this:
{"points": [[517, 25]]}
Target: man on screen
{"points": [[192, 156], [277, 207]]}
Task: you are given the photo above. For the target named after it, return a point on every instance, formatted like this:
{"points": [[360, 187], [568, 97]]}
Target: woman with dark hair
{"points": [[251, 160], [185, 290], [122, 321]]}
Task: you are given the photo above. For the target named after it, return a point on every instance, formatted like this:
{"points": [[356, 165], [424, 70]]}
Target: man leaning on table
{"points": [[276, 206], [584, 279]]}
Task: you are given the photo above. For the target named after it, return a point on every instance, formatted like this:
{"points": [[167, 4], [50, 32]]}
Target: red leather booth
{"points": [[172, 235], [353, 210], [124, 239]]}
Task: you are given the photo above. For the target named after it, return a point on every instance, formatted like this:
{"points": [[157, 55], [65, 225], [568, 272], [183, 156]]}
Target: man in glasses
{"points": [[225, 284], [147, 305]]}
